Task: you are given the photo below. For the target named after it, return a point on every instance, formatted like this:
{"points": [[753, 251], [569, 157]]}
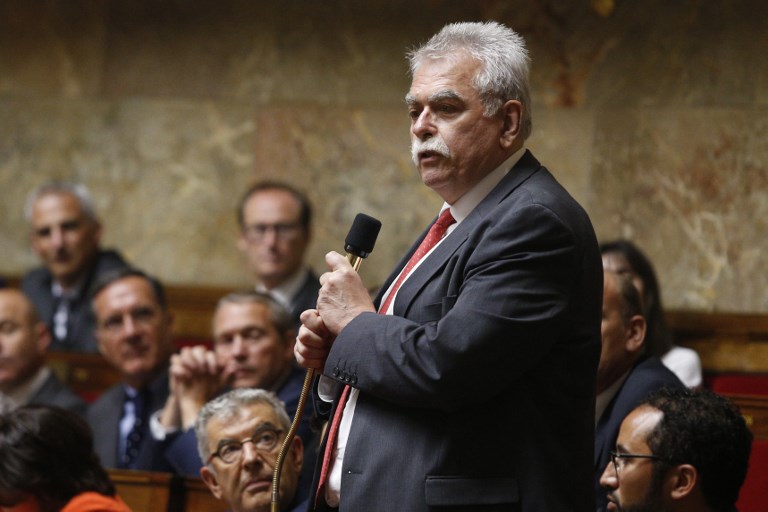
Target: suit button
{"points": [[336, 372], [354, 379]]}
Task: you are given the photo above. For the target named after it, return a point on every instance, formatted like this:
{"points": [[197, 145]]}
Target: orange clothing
{"points": [[95, 502]]}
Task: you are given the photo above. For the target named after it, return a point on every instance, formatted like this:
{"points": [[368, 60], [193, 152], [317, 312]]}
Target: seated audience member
{"points": [[623, 257], [253, 342], [680, 450], [47, 464], [625, 375], [275, 223], [239, 435], [65, 233], [134, 331], [24, 376]]}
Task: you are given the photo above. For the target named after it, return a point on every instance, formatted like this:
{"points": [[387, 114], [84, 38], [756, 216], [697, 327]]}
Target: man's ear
{"points": [[242, 243], [635, 334], [512, 117], [682, 481], [42, 337], [297, 453], [209, 477]]}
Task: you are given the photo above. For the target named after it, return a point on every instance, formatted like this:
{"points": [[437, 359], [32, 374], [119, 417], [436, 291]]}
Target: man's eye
{"points": [[229, 449], [414, 114], [43, 233]]}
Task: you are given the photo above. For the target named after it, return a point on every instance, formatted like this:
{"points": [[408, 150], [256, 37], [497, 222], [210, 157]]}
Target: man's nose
{"points": [[57, 237], [423, 127], [251, 455], [609, 479]]}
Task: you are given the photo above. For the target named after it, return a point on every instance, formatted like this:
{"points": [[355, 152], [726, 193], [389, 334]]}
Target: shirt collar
{"points": [[463, 206], [285, 292], [603, 399], [23, 393]]}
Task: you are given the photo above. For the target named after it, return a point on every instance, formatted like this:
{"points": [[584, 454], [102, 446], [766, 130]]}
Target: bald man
{"points": [[24, 340]]}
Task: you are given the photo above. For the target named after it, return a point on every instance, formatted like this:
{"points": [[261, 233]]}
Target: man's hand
{"points": [[313, 342], [195, 378], [342, 296]]}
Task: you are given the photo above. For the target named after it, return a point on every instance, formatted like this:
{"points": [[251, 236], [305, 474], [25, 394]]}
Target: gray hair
{"points": [[504, 58], [226, 407], [57, 187]]}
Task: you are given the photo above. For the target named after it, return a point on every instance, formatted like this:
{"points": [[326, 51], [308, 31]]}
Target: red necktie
{"points": [[435, 234]]}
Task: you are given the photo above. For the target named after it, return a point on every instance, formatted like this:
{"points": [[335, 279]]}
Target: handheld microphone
{"points": [[358, 246], [361, 238]]}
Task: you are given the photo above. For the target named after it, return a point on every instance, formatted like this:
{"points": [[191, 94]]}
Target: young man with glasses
{"points": [[239, 435], [680, 450], [275, 231]]}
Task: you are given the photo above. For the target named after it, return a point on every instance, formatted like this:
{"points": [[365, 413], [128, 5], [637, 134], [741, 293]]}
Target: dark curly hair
{"points": [[48, 452], [707, 431]]}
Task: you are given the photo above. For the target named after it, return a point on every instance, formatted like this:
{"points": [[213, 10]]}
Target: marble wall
{"points": [[654, 114]]}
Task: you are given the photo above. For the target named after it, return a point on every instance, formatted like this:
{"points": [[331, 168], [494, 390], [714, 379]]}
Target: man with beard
{"points": [[134, 331], [253, 340], [66, 234], [679, 451], [239, 436]]}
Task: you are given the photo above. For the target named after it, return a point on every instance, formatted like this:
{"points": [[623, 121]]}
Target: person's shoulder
{"points": [[109, 259], [37, 279], [651, 372]]}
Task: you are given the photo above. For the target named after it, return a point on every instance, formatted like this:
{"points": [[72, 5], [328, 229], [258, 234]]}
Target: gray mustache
{"points": [[435, 144]]}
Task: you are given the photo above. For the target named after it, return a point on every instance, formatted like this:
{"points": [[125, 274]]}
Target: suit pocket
{"points": [[459, 490]]}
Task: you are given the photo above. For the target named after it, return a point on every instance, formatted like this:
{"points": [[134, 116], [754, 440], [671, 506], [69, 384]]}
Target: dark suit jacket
{"points": [[55, 392], [104, 417], [305, 299], [648, 375], [478, 393], [81, 334]]}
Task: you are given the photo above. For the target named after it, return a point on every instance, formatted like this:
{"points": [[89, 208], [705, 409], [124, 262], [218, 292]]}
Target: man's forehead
{"points": [[239, 313], [129, 290], [245, 420], [636, 427]]}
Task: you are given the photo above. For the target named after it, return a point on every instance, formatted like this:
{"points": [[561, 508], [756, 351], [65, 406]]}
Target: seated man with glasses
{"points": [[275, 230], [680, 450], [239, 435]]}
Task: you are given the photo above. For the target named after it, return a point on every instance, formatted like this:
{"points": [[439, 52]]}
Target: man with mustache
{"points": [[679, 450], [66, 233], [253, 340], [239, 436], [134, 331], [469, 382]]}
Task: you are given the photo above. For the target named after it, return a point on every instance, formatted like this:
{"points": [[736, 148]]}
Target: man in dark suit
{"points": [[134, 331], [275, 222], [625, 375], [474, 388], [65, 233], [253, 341], [24, 377]]}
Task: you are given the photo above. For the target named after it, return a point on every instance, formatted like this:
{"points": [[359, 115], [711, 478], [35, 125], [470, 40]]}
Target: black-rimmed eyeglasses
{"points": [[618, 459], [264, 440]]}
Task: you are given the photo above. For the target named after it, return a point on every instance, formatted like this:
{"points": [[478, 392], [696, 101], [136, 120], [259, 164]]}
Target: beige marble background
{"points": [[654, 114]]}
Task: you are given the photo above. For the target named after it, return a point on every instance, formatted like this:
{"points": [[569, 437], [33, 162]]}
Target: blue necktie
{"points": [[136, 434]]}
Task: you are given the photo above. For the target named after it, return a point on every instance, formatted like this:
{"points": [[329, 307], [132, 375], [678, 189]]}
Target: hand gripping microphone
{"points": [[358, 245]]}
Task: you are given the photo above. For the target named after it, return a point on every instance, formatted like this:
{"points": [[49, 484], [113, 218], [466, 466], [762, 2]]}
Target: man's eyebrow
{"points": [[447, 94]]}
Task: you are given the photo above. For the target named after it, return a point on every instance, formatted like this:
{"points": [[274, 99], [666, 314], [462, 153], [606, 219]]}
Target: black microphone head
{"points": [[362, 235]]}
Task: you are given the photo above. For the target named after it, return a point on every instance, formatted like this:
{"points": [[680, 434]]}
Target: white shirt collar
{"points": [[464, 205]]}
